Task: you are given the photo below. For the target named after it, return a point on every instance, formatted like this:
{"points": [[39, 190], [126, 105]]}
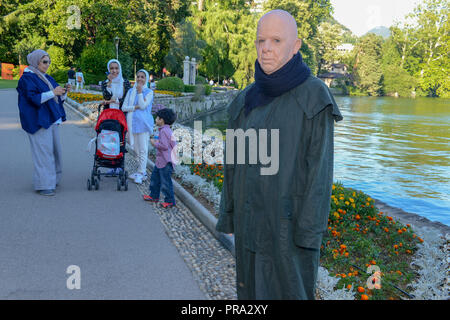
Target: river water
{"points": [[395, 150]]}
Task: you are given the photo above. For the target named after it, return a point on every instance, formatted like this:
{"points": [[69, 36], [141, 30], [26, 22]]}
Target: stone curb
{"points": [[205, 217]]}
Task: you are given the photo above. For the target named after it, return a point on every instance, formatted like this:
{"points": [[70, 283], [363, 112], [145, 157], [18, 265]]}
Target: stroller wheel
{"points": [[97, 185], [125, 185], [118, 184], [89, 186]]}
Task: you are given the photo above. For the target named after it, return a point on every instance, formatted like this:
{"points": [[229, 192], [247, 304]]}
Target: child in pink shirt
{"points": [[160, 180]]}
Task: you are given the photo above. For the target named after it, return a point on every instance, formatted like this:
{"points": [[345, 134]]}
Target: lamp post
{"points": [[116, 41]]}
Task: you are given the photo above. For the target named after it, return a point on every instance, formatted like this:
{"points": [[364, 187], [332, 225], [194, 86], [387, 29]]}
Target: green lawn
{"points": [[6, 84]]}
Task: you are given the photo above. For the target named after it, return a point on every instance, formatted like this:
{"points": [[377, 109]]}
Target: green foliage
{"points": [[60, 76], [220, 35], [94, 79], [327, 40], [189, 88], [28, 45], [59, 59], [170, 84], [94, 59], [208, 89], [184, 43], [200, 80], [368, 73], [229, 29]]}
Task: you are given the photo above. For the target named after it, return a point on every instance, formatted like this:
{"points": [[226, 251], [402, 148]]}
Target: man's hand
{"points": [[59, 91]]}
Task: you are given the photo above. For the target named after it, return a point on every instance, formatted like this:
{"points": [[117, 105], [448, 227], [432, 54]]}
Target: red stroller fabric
{"points": [[113, 114]]}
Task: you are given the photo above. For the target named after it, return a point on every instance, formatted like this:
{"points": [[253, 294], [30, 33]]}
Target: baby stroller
{"points": [[110, 149]]}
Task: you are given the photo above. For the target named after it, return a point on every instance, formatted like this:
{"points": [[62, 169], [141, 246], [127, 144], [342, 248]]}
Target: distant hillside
{"points": [[333, 21], [348, 36], [381, 31]]}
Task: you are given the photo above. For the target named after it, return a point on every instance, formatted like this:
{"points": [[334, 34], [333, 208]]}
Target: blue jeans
{"points": [[161, 181]]}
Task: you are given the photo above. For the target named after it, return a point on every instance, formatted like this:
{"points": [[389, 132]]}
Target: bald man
{"points": [[278, 217]]}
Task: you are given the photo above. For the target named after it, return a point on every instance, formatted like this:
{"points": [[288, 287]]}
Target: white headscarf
{"points": [[133, 93], [117, 82], [130, 100]]}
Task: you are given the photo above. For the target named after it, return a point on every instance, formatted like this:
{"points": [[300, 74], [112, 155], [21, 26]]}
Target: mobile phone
{"points": [[107, 73]]}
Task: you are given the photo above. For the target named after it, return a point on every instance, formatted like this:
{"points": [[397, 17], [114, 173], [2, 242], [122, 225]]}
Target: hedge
{"points": [[171, 84]]}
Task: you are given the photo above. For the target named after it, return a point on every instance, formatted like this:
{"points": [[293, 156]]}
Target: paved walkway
{"points": [[116, 240]]}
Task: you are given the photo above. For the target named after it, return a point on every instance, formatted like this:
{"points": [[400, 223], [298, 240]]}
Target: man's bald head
{"points": [[282, 17], [276, 40]]}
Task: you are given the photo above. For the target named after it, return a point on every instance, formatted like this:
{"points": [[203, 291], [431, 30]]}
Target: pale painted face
{"points": [[114, 69], [140, 78], [44, 64], [276, 42]]}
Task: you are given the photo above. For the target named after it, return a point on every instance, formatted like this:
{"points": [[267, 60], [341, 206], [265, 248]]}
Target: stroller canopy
{"points": [[112, 114]]}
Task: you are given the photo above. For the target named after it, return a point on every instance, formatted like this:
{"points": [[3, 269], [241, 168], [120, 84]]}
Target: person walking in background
{"points": [[80, 79], [41, 111], [71, 76], [160, 180], [138, 104], [152, 82], [115, 88]]}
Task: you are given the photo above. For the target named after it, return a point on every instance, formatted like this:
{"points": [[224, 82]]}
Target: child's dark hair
{"points": [[167, 115]]}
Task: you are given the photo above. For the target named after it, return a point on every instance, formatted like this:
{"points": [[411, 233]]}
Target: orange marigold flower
{"points": [[364, 297], [361, 289]]}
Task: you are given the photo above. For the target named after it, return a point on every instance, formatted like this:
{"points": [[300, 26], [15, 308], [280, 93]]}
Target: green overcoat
{"points": [[279, 220]]}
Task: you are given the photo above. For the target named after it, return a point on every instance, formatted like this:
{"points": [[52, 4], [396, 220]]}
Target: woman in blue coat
{"points": [[41, 111]]}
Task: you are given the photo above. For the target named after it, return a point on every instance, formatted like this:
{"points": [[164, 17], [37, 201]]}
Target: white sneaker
{"points": [[133, 175], [144, 177], [138, 179]]}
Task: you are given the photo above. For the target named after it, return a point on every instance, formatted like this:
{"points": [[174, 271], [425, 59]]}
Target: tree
{"points": [[326, 42], [21, 24], [396, 80], [150, 27], [184, 43], [229, 29], [432, 34], [368, 71]]}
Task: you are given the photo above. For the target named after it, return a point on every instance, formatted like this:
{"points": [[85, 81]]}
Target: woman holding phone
{"points": [[114, 88], [41, 111]]}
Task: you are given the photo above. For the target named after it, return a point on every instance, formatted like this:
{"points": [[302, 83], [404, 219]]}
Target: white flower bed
{"points": [[200, 185], [432, 259]]}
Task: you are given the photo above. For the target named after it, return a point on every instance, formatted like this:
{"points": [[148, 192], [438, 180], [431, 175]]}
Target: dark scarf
{"points": [[268, 87]]}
